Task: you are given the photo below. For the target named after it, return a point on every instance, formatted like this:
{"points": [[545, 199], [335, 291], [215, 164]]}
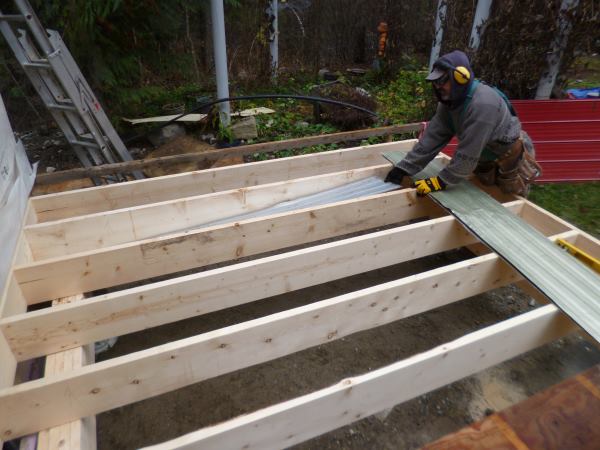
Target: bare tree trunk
{"points": [[440, 23], [482, 14], [559, 43]]}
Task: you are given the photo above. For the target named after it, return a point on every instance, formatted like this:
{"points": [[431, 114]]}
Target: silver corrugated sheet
{"points": [[360, 188], [572, 286]]}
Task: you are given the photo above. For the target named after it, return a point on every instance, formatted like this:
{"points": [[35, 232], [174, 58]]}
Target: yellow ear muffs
{"points": [[461, 75]]}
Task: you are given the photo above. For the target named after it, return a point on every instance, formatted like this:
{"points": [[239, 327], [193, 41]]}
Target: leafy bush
{"points": [[408, 98]]}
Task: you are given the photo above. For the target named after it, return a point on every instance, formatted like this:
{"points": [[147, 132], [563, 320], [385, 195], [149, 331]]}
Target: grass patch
{"points": [[578, 203], [584, 73]]}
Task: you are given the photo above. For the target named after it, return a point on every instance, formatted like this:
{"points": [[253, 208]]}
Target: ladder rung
{"points": [[61, 107], [84, 144], [37, 65], [12, 17]]}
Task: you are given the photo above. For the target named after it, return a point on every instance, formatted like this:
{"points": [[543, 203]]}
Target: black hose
{"points": [[254, 97]]}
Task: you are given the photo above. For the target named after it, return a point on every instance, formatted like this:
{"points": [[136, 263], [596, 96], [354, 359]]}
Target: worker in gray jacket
{"points": [[491, 142]]}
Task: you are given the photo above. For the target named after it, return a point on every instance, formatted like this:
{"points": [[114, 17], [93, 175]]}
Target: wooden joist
{"points": [[63, 205], [49, 330], [352, 399], [139, 260], [75, 235], [167, 367]]}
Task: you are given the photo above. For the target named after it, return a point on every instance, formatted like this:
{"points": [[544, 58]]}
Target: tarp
{"points": [[16, 179], [584, 93]]}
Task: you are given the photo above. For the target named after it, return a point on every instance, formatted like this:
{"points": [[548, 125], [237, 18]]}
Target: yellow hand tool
{"points": [[582, 256]]}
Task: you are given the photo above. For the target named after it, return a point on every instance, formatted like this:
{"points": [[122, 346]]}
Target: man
{"points": [[491, 142]]}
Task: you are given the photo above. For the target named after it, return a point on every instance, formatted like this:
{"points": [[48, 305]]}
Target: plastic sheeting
{"points": [[16, 179]]}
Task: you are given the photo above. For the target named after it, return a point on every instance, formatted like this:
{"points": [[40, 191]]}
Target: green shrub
{"points": [[407, 98]]}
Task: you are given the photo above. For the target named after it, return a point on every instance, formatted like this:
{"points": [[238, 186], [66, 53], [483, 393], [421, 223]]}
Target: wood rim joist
{"points": [[62, 205], [83, 392]]}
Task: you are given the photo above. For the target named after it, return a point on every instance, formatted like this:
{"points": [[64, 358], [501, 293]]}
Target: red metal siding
{"points": [[566, 135]]}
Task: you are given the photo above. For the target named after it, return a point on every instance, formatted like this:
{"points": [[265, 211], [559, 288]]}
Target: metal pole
{"points": [[274, 39], [220, 49]]}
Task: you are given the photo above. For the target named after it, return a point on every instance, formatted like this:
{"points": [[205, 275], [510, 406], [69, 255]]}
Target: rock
{"points": [[532, 303], [302, 124], [50, 169], [165, 134], [322, 73], [245, 128]]}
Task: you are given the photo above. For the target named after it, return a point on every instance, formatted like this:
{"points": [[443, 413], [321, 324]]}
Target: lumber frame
{"points": [[102, 268], [89, 232], [170, 187], [355, 398], [49, 330], [85, 391], [167, 367]]}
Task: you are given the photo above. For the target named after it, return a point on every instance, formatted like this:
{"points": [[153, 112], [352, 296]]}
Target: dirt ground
{"points": [[409, 425]]}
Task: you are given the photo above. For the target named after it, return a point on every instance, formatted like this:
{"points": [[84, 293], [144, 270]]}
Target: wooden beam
{"points": [[543, 221], [52, 401], [213, 155], [53, 329], [588, 244], [170, 187], [352, 399], [79, 434], [50, 330], [113, 266], [79, 234], [11, 302]]}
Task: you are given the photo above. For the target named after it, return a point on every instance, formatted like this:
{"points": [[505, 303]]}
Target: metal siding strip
{"points": [[544, 110], [572, 286]]}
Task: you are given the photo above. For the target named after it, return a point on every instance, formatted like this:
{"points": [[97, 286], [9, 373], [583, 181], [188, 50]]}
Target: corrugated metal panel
{"points": [[548, 110], [554, 171], [561, 130], [559, 151], [360, 188], [565, 132], [564, 161], [572, 286]]}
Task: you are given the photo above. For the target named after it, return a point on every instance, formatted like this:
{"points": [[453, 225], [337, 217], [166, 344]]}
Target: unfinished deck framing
{"points": [[77, 242]]}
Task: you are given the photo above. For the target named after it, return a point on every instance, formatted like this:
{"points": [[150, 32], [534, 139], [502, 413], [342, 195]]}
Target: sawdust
{"points": [[497, 392]]}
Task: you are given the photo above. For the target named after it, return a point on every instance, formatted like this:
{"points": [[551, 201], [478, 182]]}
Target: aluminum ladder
{"points": [[62, 87]]}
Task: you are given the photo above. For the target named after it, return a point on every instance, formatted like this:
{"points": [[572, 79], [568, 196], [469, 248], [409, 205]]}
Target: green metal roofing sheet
{"points": [[571, 285]]}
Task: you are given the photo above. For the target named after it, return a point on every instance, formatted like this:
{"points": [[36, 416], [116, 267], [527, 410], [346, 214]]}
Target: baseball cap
{"points": [[436, 74]]}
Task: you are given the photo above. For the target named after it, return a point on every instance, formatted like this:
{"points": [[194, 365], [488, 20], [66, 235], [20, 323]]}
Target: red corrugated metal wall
{"points": [[566, 135]]}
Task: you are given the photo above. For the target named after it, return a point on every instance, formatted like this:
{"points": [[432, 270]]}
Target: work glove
{"points": [[428, 185], [395, 176]]}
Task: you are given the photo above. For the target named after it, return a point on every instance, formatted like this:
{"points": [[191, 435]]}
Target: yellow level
{"points": [[582, 256]]}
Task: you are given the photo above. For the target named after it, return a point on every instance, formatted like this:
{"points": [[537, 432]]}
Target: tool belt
{"points": [[512, 172]]}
